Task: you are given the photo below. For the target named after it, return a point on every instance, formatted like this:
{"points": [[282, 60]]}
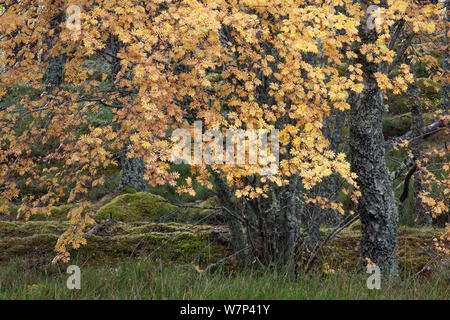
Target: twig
{"points": [[424, 267], [335, 232], [225, 259], [100, 226]]}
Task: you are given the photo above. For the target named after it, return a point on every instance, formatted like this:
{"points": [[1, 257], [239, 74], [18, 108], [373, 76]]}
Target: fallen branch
{"points": [[225, 259], [427, 131], [100, 226], [334, 233], [425, 267]]}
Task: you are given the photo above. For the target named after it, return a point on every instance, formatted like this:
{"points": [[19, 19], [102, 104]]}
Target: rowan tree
{"points": [[231, 65]]}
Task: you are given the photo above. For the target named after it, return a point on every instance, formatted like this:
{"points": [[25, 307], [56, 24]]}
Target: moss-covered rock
{"points": [[135, 206]]}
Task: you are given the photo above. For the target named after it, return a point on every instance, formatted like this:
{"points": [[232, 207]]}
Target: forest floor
{"points": [[160, 255]]}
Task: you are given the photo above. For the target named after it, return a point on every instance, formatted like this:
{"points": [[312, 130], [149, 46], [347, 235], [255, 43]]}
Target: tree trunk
{"points": [[269, 227], [273, 228], [422, 218], [376, 206], [133, 169], [55, 72], [329, 187], [232, 216], [445, 86]]}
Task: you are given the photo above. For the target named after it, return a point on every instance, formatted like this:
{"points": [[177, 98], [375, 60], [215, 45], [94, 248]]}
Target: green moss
{"points": [[415, 249], [355, 226], [29, 228], [136, 206], [207, 215], [166, 241], [208, 203], [129, 189], [56, 213], [211, 202], [35, 245], [60, 212]]}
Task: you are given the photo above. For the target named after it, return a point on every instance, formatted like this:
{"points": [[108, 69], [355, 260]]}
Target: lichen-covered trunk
{"points": [[376, 206], [233, 217], [274, 223], [329, 187], [422, 219], [268, 227], [445, 62], [55, 72], [133, 169]]}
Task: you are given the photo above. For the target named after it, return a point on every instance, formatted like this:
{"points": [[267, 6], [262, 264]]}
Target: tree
{"points": [[166, 52], [445, 87], [231, 65], [380, 30]]}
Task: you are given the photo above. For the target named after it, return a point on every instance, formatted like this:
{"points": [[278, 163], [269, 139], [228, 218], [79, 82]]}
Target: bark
{"points": [[273, 228], [422, 218], [270, 227], [133, 169], [445, 63], [376, 206], [329, 187], [232, 217], [55, 72]]}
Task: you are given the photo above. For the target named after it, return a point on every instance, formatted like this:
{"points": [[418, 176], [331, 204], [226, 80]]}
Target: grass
{"points": [[175, 271], [149, 259], [152, 280]]}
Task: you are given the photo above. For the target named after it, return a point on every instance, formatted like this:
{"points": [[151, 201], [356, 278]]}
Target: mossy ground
{"points": [[145, 260], [415, 250], [186, 243], [148, 231], [176, 242]]}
